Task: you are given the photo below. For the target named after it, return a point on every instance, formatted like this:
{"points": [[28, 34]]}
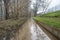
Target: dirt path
{"points": [[30, 31], [23, 33]]}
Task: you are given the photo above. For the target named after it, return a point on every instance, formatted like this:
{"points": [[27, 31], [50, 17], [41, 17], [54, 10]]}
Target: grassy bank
{"points": [[54, 22], [52, 19], [52, 14]]}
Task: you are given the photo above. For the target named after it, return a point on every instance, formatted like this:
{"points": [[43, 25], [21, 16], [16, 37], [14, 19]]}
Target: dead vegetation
{"points": [[9, 28]]}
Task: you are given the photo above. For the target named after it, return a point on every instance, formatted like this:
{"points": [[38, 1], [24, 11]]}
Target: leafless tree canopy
{"points": [[40, 5]]}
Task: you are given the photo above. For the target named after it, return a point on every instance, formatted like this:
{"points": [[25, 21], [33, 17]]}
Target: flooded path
{"points": [[36, 32]]}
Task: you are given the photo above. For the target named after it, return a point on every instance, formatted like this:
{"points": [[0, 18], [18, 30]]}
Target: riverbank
{"points": [[55, 32], [53, 22]]}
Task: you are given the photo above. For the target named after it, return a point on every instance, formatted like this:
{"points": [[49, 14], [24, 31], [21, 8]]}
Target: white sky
{"points": [[54, 3]]}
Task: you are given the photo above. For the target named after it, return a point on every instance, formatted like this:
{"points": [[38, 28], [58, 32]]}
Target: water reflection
{"points": [[37, 33]]}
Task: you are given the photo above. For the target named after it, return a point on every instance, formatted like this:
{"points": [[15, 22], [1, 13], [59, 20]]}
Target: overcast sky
{"points": [[54, 3]]}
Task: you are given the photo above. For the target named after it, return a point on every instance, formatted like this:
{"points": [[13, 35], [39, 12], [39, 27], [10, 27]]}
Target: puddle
{"points": [[37, 33]]}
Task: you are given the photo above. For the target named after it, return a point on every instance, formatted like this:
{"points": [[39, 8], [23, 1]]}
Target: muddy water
{"points": [[36, 32]]}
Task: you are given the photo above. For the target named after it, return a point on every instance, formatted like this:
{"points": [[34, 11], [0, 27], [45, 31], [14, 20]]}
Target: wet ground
{"points": [[30, 31], [36, 32]]}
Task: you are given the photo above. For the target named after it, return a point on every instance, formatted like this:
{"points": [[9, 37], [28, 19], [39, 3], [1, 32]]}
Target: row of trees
{"points": [[15, 8], [19, 8]]}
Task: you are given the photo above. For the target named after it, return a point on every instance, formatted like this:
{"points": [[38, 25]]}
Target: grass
{"points": [[52, 14], [53, 22], [52, 19]]}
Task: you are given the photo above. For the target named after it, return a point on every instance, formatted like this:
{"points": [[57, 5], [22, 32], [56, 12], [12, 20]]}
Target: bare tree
{"points": [[6, 2], [16, 8], [42, 4]]}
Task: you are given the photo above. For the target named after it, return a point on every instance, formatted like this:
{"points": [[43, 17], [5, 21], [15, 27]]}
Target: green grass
{"points": [[52, 19], [52, 14], [53, 22]]}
